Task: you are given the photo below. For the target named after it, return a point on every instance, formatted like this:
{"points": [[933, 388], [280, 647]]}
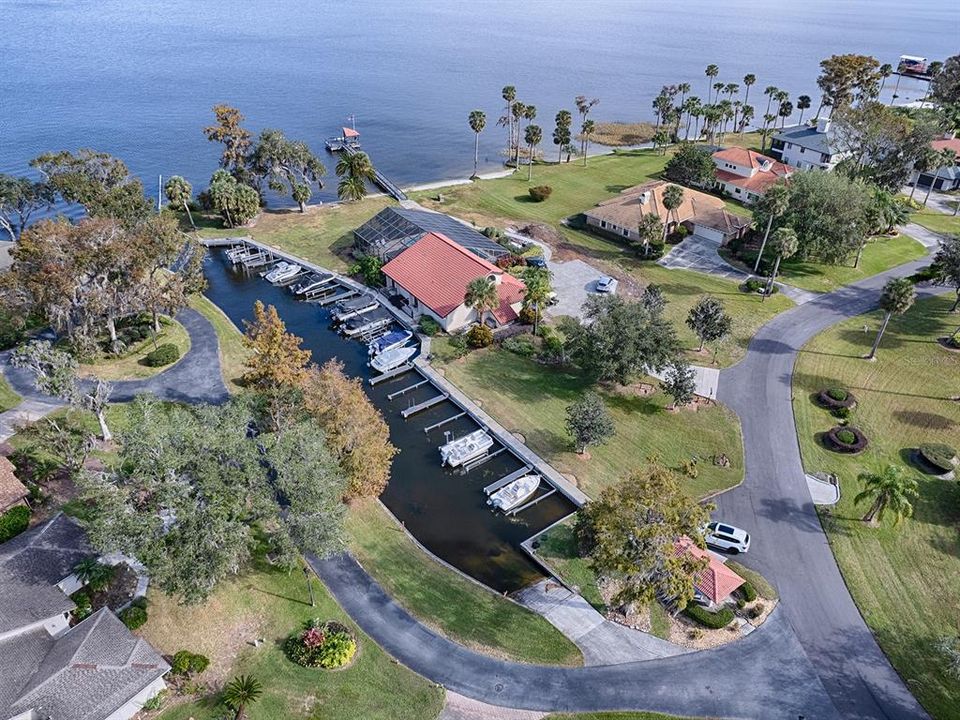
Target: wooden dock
{"points": [[436, 425], [481, 460], [414, 409], [327, 300], [507, 479], [532, 502], [385, 183], [399, 370], [407, 389]]}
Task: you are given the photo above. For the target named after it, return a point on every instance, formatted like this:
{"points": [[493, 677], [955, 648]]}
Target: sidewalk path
{"points": [[928, 238]]}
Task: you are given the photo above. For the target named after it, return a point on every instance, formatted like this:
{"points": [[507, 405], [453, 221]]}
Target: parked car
{"points": [[537, 261], [606, 284], [727, 537]]}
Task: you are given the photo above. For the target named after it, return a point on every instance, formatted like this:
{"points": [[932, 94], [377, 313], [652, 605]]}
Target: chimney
{"points": [[823, 125], [644, 197]]}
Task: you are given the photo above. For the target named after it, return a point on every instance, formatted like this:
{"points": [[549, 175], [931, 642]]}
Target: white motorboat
{"points": [[346, 309], [390, 341], [386, 361], [312, 283], [368, 322], [469, 447], [282, 272], [512, 494]]}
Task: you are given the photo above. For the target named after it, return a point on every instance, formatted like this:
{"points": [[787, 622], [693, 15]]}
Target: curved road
{"points": [[815, 656]]}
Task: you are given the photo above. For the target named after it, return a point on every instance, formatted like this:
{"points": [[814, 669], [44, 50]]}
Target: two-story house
{"points": [[746, 175], [807, 146]]}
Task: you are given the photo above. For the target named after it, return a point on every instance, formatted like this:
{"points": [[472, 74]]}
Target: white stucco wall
{"points": [[630, 234]]}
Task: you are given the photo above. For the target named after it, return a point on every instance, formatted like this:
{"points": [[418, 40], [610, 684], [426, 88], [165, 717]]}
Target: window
{"points": [[603, 223], [737, 190], [802, 150], [626, 233], [789, 146]]}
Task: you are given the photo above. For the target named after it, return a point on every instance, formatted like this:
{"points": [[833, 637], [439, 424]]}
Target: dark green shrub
{"points": [[847, 437], [187, 663], [521, 345], [164, 355], [756, 611], [492, 233], [13, 522], [198, 663], [552, 350], [939, 455], [140, 602], [326, 645], [479, 336], [713, 620], [368, 267], [749, 591], [84, 607], [429, 326], [133, 617], [838, 394], [527, 315], [539, 193], [841, 412], [458, 346]]}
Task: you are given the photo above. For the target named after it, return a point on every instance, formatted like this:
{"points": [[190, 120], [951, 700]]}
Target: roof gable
{"points": [[625, 209], [716, 580]]}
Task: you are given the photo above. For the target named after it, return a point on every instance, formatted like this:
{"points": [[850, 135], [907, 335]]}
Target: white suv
{"points": [[727, 537]]}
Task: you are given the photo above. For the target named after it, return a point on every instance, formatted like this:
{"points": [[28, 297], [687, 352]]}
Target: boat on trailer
{"points": [[346, 309], [368, 322], [387, 361], [313, 282], [390, 341], [463, 450], [513, 494], [281, 272]]}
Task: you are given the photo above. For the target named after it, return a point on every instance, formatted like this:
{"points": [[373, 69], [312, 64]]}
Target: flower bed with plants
{"points": [[845, 439], [938, 456], [833, 398], [327, 645]]}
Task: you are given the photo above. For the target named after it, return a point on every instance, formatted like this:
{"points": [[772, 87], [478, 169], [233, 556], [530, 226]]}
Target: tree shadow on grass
{"points": [[299, 601], [616, 188], [928, 420]]}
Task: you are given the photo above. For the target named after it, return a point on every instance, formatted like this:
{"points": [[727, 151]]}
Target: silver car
{"points": [[607, 284]]}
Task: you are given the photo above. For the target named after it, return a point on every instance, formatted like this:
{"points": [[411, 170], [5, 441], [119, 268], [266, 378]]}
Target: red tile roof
{"points": [[436, 271], [716, 581], [761, 179], [12, 491], [952, 143]]}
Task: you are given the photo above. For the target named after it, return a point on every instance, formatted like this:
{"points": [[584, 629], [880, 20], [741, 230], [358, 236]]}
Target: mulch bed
{"points": [[824, 399], [119, 592], [834, 443]]}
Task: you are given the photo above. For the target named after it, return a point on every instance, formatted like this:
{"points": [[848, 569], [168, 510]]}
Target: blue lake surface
{"points": [[138, 79]]}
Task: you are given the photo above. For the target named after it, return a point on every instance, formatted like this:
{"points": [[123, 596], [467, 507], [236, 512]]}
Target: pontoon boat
{"points": [[469, 447]]}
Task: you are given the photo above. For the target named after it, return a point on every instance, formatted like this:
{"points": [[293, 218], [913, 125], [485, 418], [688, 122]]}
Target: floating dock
{"points": [[400, 370], [407, 389], [507, 479], [531, 503], [414, 409], [436, 425]]}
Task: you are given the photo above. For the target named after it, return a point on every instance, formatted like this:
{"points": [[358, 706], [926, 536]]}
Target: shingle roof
{"points": [[90, 671], [12, 490], [46, 553], [806, 136], [716, 580], [398, 224], [625, 209], [436, 271], [721, 219]]}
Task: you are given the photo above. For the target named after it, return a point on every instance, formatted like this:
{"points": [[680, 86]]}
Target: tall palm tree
{"points": [[781, 96], [886, 70], [803, 103], [509, 94], [718, 87], [518, 112], [897, 297], [746, 115], [768, 125], [711, 72], [672, 199], [691, 104], [586, 131], [785, 244], [891, 489], [770, 91], [482, 296], [584, 106], [943, 159], [683, 89], [532, 136], [179, 192], [926, 159], [748, 80], [354, 170], [538, 291], [240, 692], [478, 121], [785, 111], [561, 134], [775, 203], [933, 70]]}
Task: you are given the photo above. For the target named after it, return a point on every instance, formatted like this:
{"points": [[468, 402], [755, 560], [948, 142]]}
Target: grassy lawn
{"points": [[8, 396], [531, 399], [323, 235], [269, 603], [445, 600], [558, 548], [132, 365], [933, 219], [233, 354], [905, 581]]}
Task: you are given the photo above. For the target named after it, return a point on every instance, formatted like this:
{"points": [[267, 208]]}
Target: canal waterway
{"points": [[443, 508]]}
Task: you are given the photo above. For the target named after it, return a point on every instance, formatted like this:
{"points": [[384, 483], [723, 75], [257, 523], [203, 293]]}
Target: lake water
{"points": [[138, 79], [444, 509]]}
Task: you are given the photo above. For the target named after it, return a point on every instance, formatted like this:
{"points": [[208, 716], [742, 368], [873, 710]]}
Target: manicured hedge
{"points": [[540, 192], [164, 355], [713, 620], [846, 439], [833, 398], [429, 326], [749, 591], [133, 617], [13, 522], [939, 455], [479, 336]]}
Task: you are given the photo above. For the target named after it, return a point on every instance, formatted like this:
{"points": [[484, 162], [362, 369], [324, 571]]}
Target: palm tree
{"points": [[243, 690], [768, 125], [93, 573], [934, 69], [746, 115], [683, 89], [803, 103], [897, 297], [538, 291], [509, 94], [888, 489], [532, 136], [478, 121], [179, 191], [354, 169], [785, 245], [672, 199], [718, 87], [588, 128], [769, 91], [711, 72], [482, 296], [517, 114], [775, 203], [748, 80], [943, 159], [781, 96], [886, 70], [529, 114], [561, 134], [584, 106], [785, 111]]}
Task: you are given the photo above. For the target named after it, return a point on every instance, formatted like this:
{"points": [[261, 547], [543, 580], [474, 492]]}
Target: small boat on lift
{"points": [[313, 282], [913, 65], [346, 309], [387, 361], [511, 495], [390, 341], [282, 272], [463, 450], [368, 322], [349, 139]]}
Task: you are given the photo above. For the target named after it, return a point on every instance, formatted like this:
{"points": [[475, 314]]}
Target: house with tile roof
{"points": [[746, 175], [944, 178], [95, 670], [432, 275], [807, 147], [12, 491], [702, 214], [715, 582]]}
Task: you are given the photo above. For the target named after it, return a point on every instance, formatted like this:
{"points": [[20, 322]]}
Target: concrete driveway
{"points": [[700, 254]]}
